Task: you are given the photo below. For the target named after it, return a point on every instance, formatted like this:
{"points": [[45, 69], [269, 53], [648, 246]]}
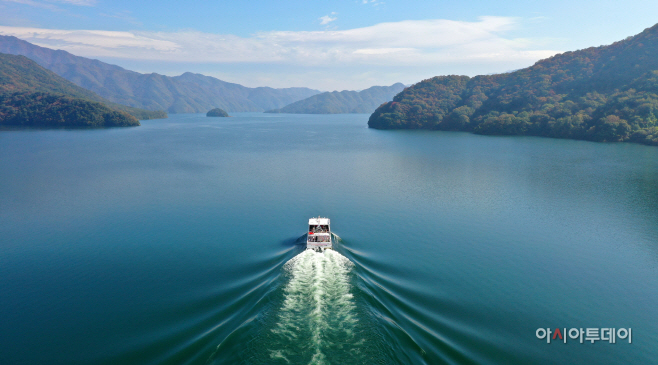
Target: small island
{"points": [[217, 113]]}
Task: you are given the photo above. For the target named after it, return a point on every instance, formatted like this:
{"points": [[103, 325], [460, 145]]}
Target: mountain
{"points": [[343, 102], [607, 93], [31, 95], [187, 93], [40, 109], [21, 74]]}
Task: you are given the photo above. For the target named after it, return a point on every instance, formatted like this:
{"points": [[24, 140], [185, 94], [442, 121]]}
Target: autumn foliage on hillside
{"points": [[55, 110], [607, 93], [26, 86]]}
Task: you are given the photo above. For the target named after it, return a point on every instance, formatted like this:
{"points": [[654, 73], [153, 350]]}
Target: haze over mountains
{"points": [[33, 96], [365, 101], [607, 93], [187, 93]]}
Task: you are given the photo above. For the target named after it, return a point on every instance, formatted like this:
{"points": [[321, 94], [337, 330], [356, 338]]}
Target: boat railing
{"points": [[319, 238]]}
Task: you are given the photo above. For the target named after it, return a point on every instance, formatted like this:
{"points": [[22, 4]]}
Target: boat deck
{"points": [[319, 234]]}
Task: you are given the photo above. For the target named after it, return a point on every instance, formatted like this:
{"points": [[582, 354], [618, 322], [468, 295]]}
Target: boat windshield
{"points": [[318, 228]]}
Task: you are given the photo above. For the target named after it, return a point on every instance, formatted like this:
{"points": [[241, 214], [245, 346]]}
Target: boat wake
{"points": [[317, 318]]}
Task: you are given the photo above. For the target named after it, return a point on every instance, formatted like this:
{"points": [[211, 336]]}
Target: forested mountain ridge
{"points": [[346, 101], [187, 93], [31, 95], [607, 93], [39, 109]]}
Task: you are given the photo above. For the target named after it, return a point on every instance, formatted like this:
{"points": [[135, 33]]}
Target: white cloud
{"points": [[327, 19], [48, 4], [382, 51], [432, 46], [405, 43], [76, 2], [122, 15], [95, 43], [36, 4]]}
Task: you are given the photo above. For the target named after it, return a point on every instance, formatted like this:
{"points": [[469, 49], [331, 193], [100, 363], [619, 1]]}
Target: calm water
{"points": [[178, 242]]}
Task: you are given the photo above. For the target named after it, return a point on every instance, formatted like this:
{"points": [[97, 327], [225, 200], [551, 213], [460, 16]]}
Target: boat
{"points": [[319, 234]]}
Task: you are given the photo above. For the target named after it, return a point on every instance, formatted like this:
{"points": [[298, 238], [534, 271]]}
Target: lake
{"points": [[181, 242]]}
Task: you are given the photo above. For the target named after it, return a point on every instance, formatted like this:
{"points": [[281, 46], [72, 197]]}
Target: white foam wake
{"points": [[318, 312]]}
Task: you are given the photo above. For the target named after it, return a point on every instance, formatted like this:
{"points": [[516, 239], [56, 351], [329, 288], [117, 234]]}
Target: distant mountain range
{"points": [[607, 93], [365, 101], [187, 93], [33, 96]]}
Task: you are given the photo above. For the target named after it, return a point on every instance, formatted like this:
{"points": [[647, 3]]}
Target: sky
{"points": [[326, 45]]}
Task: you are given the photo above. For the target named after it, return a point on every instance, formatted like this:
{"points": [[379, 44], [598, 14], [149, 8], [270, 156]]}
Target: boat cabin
{"points": [[319, 234]]}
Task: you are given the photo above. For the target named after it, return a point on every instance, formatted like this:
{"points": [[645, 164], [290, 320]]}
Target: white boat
{"points": [[319, 234]]}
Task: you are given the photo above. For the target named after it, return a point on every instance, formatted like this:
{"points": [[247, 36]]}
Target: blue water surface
{"points": [[167, 244]]}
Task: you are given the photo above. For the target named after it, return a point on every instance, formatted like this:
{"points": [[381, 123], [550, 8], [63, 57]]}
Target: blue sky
{"points": [[327, 45]]}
